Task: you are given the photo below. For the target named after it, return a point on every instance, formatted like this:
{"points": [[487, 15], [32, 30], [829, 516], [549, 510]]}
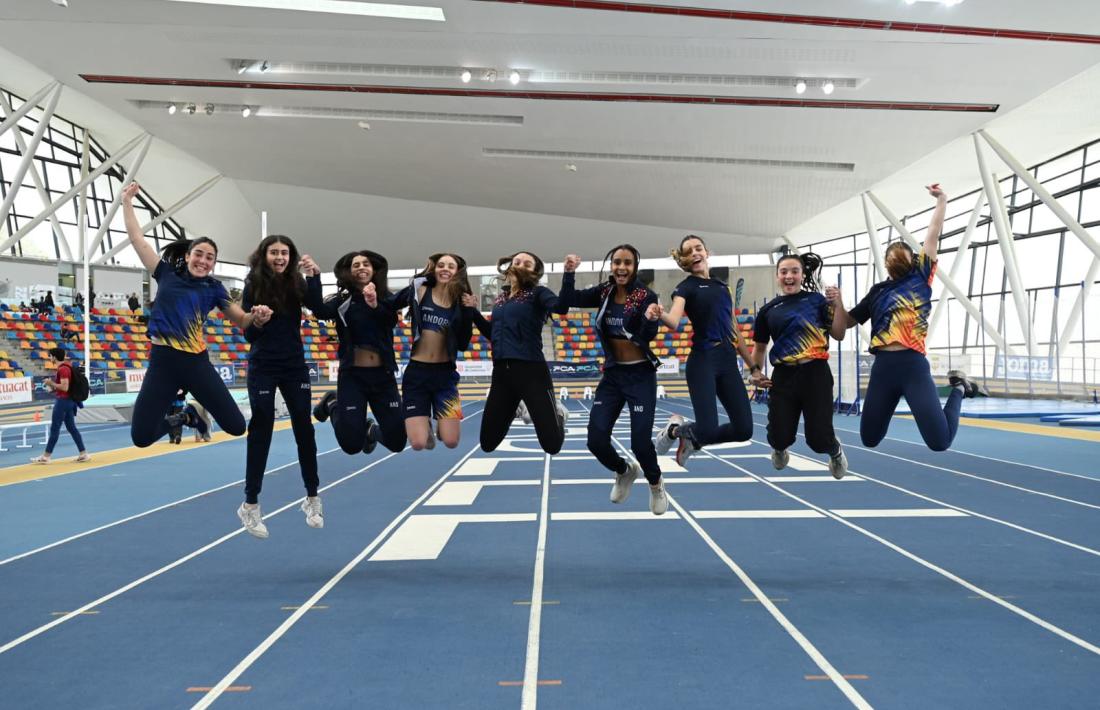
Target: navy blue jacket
{"points": [[279, 342], [641, 330], [516, 328], [357, 324]]}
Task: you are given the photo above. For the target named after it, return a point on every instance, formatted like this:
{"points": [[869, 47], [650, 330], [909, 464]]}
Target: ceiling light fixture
{"points": [[60, 3], [335, 7], [490, 75], [246, 112], [828, 87], [209, 109], [514, 77], [172, 108], [264, 66], [242, 67], [465, 76], [191, 109], [364, 125], [800, 87]]}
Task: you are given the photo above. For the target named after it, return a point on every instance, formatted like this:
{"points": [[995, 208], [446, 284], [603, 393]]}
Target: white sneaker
{"points": [[430, 443], [82, 457], [312, 508], [523, 414], [780, 459], [838, 465], [624, 482], [658, 499], [664, 439], [253, 521], [684, 450]]}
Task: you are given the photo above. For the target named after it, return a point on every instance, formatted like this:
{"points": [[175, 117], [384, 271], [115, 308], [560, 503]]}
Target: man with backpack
{"points": [[71, 387]]}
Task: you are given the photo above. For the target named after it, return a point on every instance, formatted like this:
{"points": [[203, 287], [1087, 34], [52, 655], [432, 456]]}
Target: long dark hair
{"points": [[504, 268], [679, 256], [176, 252], [607, 259], [460, 283], [282, 292], [811, 269], [345, 282]]}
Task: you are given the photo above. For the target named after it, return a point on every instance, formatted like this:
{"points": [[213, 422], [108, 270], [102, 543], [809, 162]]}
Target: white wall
{"points": [[22, 279]]}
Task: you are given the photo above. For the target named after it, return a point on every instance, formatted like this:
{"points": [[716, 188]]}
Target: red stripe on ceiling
{"points": [[545, 95], [813, 20]]}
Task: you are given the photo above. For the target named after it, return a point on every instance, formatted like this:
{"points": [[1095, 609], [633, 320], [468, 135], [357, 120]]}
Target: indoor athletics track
{"points": [[459, 579]]}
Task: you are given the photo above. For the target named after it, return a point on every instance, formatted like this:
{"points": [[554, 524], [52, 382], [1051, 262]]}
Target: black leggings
{"points": [[713, 372], [293, 382], [802, 391], [529, 381], [356, 388], [636, 387], [169, 371], [905, 373]]}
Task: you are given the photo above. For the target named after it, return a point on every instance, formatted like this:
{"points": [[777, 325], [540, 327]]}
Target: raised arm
{"points": [[935, 226], [671, 317], [145, 251], [569, 295]]}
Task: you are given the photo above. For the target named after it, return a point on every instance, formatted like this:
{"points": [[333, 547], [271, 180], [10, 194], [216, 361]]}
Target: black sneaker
{"points": [[177, 420], [958, 378], [320, 412], [372, 436]]}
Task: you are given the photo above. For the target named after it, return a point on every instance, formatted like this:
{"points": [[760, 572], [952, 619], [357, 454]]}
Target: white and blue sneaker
{"points": [[665, 437], [624, 482]]}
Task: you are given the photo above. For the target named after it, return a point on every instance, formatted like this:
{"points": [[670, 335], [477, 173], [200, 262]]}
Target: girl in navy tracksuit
{"points": [[712, 369], [276, 361], [520, 373], [365, 317], [898, 309], [626, 322], [186, 293], [441, 326]]}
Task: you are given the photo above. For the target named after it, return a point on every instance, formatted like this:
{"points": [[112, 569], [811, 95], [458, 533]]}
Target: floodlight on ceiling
{"points": [[209, 109], [335, 7], [514, 77], [246, 112], [466, 76], [60, 3], [800, 87], [828, 87], [172, 108], [191, 109]]}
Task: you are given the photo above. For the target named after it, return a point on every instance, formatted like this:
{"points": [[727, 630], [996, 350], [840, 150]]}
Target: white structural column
{"points": [[166, 214], [82, 226], [1067, 219], [103, 167], [117, 201], [28, 156], [957, 262], [945, 279], [872, 237], [39, 186], [1003, 227], [14, 116]]}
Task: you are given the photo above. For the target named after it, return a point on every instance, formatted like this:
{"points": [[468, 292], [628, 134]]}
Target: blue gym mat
{"points": [[1002, 408]]}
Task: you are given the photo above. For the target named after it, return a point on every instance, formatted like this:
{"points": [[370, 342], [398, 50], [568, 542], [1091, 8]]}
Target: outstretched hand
{"points": [[308, 266], [935, 190], [370, 295], [654, 311], [128, 193], [832, 295], [572, 261]]}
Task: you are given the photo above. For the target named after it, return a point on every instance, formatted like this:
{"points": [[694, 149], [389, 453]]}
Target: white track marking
{"points": [[147, 512], [534, 623], [215, 692]]}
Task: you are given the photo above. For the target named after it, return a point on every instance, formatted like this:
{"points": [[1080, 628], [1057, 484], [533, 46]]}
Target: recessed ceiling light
{"points": [[514, 77], [60, 3], [800, 87], [246, 111], [191, 109], [466, 76], [172, 109], [337, 7], [364, 125], [828, 87], [209, 109]]}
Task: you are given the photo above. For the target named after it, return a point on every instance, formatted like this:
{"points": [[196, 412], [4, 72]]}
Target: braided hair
{"points": [[811, 269]]}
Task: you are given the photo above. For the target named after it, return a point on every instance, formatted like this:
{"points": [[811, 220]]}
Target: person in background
{"points": [[64, 410]]}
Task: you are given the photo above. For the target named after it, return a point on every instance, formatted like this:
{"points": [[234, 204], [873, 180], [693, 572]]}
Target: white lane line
{"points": [[953, 450], [534, 625], [147, 512], [643, 482], [215, 692], [624, 515], [974, 513], [755, 514], [170, 566], [466, 492], [899, 513], [1042, 623], [485, 466], [423, 537], [804, 643]]}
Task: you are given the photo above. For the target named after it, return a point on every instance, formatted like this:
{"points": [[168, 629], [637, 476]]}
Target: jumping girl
{"points": [[898, 309], [276, 361], [441, 327], [798, 322], [626, 322], [520, 373], [712, 369], [365, 317], [186, 293]]}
